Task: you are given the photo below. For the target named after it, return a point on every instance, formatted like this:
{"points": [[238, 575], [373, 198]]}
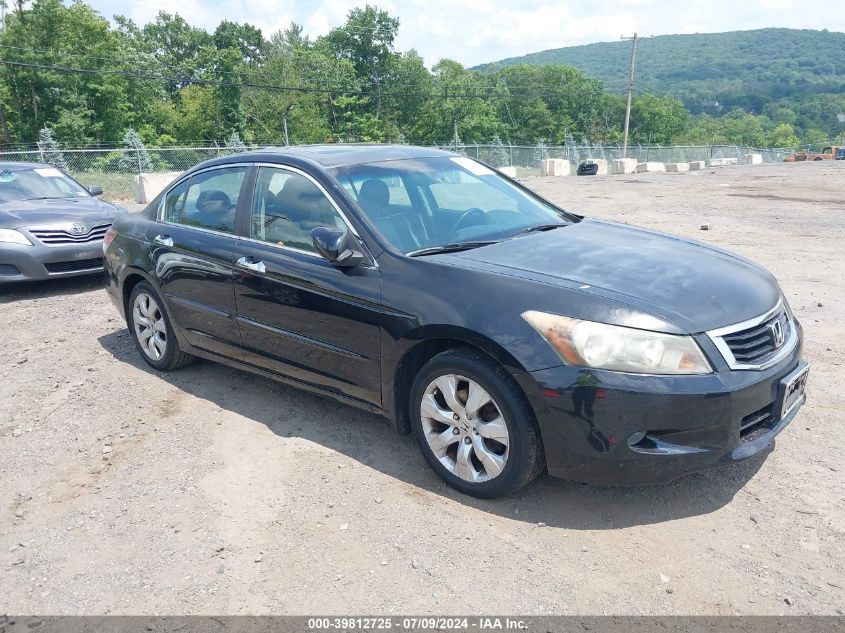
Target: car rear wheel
{"points": [[474, 425], [152, 330]]}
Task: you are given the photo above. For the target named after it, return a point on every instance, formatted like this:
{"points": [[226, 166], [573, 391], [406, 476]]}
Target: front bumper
{"points": [[31, 263], [693, 422]]}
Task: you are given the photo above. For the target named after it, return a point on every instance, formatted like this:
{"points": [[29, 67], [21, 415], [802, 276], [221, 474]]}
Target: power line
{"points": [[445, 94], [188, 75]]}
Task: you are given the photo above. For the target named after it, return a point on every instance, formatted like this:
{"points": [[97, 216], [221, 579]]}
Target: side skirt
{"points": [[266, 373]]}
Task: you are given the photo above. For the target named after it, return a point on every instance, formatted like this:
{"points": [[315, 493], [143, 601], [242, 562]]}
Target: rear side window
{"points": [[208, 201]]}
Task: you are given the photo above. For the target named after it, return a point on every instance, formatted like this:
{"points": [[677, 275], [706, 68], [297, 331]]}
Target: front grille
{"points": [[755, 343], [756, 424], [55, 236], [80, 264], [7, 270]]}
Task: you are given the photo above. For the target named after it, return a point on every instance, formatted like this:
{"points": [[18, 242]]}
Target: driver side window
{"points": [[287, 206]]}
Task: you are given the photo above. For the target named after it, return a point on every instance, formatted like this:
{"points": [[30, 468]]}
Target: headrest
{"points": [[374, 196], [299, 199], [213, 200]]}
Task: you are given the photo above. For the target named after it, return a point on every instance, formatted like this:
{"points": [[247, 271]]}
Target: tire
{"points": [[474, 454], [160, 349]]}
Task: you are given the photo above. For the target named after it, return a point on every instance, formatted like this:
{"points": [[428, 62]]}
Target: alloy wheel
{"points": [[464, 428], [150, 328]]}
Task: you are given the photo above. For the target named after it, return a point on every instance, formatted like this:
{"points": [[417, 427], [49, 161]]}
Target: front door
{"points": [[194, 242], [299, 315]]}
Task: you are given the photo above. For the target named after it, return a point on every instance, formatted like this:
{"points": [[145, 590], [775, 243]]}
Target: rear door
{"points": [[193, 247], [299, 315]]}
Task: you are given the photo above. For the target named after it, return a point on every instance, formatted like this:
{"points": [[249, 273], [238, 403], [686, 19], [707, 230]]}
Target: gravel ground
{"points": [[208, 490]]}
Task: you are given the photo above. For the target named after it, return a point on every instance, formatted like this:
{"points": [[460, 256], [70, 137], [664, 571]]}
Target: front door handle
{"points": [[164, 240], [250, 264]]}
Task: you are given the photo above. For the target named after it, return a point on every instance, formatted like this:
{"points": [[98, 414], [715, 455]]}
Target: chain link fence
{"points": [[527, 159], [115, 170]]}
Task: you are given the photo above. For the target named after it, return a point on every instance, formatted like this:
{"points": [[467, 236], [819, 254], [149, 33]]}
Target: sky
{"points": [[477, 31]]}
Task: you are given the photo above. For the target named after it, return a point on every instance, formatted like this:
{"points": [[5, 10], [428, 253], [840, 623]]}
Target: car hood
{"points": [[24, 213], [692, 286]]}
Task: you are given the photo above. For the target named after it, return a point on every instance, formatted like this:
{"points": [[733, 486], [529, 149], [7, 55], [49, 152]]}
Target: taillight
{"points": [[108, 237]]}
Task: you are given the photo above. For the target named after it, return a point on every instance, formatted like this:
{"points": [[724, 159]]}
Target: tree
{"points": [[498, 156], [657, 119], [235, 144], [465, 99], [196, 120], [244, 38], [783, 136], [51, 152], [66, 66], [539, 153], [182, 52], [366, 40], [81, 107], [137, 159]]}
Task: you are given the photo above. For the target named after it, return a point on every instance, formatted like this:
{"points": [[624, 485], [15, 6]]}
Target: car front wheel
{"points": [[474, 425], [152, 330]]}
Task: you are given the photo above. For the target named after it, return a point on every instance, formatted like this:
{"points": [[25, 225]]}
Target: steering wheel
{"points": [[468, 214]]}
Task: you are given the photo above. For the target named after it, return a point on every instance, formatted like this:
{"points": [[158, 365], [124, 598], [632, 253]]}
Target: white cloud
{"points": [[477, 31]]}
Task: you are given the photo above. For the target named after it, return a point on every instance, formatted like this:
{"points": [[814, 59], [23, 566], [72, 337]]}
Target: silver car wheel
{"points": [[464, 428], [150, 328]]}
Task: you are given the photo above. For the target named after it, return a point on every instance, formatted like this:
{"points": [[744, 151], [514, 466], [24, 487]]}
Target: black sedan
{"points": [[507, 334], [50, 225]]}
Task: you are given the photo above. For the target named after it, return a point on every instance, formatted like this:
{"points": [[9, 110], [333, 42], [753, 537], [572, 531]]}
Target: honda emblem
{"points": [[777, 333]]}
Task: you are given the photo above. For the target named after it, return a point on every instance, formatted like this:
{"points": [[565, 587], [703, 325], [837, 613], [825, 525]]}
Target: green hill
{"points": [[714, 72]]}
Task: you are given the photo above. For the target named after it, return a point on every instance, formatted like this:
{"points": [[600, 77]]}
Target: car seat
{"points": [[300, 207], [406, 231], [214, 210]]}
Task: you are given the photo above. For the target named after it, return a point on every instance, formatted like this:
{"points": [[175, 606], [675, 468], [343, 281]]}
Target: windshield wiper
{"points": [[537, 228], [451, 247]]}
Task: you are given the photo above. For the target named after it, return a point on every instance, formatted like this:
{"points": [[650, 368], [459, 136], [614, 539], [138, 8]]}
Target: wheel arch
{"points": [[417, 348], [132, 277]]}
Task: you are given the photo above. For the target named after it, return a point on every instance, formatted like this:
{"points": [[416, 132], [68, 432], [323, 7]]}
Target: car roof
{"points": [[341, 154], [20, 166]]}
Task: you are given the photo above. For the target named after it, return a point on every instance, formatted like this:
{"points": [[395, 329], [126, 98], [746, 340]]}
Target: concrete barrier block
{"points": [[752, 159], [555, 167], [697, 165], [650, 167], [601, 163], [507, 171], [148, 186], [721, 162], [623, 166], [677, 167]]}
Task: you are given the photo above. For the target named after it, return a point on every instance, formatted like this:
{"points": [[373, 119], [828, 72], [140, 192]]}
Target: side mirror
{"points": [[95, 190], [333, 244]]}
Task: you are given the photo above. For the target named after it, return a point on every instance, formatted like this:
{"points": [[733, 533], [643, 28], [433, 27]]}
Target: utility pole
{"points": [[285, 122], [634, 41]]}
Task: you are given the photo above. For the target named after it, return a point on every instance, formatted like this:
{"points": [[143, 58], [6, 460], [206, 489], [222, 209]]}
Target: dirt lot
{"points": [[207, 490]]}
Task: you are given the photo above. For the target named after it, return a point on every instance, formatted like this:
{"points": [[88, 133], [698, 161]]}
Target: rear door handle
{"points": [[250, 264], [164, 240]]}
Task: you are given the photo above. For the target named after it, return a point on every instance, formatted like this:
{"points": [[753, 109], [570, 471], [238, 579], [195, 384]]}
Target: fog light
{"points": [[636, 438]]}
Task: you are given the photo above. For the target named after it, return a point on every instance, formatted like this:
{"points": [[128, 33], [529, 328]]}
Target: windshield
{"points": [[37, 183], [421, 203]]}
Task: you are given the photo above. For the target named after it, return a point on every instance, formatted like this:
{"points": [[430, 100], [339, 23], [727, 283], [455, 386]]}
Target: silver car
{"points": [[50, 225]]}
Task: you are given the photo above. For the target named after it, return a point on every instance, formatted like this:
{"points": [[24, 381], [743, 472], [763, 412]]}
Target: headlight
{"points": [[602, 346], [10, 236]]}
